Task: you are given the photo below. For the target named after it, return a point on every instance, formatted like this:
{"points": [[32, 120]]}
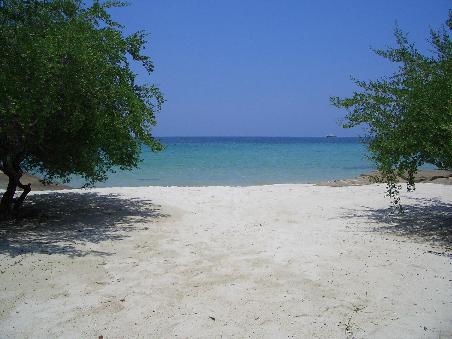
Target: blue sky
{"points": [[268, 68]]}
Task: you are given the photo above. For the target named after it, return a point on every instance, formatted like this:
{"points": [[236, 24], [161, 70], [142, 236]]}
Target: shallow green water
{"points": [[245, 161]]}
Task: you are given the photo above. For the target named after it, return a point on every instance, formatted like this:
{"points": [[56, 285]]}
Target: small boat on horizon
{"points": [[331, 136]]}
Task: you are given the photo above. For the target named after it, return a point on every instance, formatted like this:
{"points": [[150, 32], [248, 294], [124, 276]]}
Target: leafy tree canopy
{"points": [[408, 115], [69, 100]]}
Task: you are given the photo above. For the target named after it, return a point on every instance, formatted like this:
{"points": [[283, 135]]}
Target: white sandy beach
{"points": [[265, 261]]}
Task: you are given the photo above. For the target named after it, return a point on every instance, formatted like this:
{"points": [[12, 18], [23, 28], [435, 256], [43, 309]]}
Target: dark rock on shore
{"points": [[36, 185], [425, 176]]}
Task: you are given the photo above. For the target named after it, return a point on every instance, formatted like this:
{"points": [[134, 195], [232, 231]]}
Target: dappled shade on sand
{"points": [[53, 222]]}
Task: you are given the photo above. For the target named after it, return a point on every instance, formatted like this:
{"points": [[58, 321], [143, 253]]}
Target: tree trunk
{"points": [[20, 200], [7, 202], [8, 205]]}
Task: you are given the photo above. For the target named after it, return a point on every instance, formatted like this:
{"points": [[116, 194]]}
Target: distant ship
{"points": [[331, 136]]}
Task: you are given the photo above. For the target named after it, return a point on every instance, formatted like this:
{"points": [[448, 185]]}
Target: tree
{"points": [[69, 100], [408, 115]]}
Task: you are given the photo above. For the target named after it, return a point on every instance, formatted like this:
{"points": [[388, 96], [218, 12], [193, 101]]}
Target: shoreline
{"points": [[36, 185], [423, 176]]}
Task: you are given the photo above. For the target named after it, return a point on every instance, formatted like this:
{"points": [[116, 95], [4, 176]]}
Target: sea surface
{"points": [[242, 161]]}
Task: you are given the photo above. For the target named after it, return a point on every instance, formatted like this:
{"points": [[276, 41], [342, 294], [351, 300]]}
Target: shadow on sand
{"points": [[427, 220], [58, 222]]}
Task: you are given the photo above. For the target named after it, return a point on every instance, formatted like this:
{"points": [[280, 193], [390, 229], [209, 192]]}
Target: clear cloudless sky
{"points": [[268, 68]]}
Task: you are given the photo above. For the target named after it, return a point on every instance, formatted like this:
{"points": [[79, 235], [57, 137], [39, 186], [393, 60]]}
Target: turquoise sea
{"points": [[202, 161]]}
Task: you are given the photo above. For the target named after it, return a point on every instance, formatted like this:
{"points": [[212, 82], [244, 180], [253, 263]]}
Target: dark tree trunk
{"points": [[8, 205], [7, 202], [20, 200]]}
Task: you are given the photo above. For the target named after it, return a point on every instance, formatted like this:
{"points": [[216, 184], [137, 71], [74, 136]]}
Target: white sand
{"points": [[268, 261]]}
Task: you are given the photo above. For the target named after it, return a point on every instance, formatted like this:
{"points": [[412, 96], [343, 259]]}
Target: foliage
{"points": [[69, 100], [407, 115]]}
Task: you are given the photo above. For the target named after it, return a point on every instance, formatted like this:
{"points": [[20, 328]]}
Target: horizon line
{"points": [[248, 136]]}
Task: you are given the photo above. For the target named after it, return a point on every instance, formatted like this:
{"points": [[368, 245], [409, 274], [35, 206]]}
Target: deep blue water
{"points": [[196, 161]]}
